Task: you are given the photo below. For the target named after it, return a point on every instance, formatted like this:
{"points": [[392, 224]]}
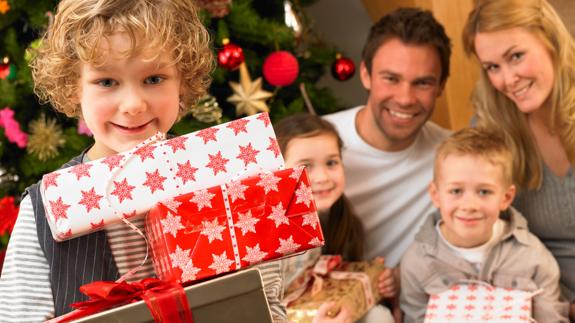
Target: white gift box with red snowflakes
{"points": [[87, 197], [234, 225], [479, 302]]}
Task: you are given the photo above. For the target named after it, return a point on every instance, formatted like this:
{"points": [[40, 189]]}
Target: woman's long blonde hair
{"points": [[495, 111]]}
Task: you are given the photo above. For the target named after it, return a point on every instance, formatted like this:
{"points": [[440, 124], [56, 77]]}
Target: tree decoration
{"points": [[207, 110], [230, 56], [12, 128], [8, 214], [4, 6], [248, 96], [45, 139], [7, 70], [343, 68], [280, 68], [216, 8]]}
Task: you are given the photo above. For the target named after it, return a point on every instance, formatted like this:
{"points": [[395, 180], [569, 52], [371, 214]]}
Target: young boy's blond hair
{"points": [[476, 142], [152, 26]]}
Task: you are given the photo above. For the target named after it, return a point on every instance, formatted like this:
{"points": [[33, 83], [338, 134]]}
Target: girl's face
{"points": [[518, 65], [127, 99], [320, 155]]}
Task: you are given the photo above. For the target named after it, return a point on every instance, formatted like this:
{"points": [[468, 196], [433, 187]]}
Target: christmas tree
{"points": [[264, 64]]}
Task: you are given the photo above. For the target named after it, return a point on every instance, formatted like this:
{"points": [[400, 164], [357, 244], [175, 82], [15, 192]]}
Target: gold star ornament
{"points": [[248, 96]]}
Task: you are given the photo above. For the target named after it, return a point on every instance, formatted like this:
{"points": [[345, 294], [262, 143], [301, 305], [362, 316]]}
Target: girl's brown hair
{"points": [[343, 232]]}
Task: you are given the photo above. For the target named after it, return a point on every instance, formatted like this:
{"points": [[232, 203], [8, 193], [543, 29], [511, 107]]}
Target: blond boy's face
{"points": [[128, 99], [470, 193]]}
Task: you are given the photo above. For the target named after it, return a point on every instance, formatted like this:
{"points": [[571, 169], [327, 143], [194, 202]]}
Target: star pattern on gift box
{"points": [[254, 255], [274, 147], [310, 219], [213, 230], [189, 271], [221, 263], [97, 225], [304, 195], [50, 179], [59, 209], [177, 143], [287, 246], [171, 224], [81, 170], [296, 173], [154, 181], [113, 161], [315, 242], [265, 118], [269, 182], [180, 257], [208, 134], [202, 198], [236, 190], [129, 215], [248, 154], [238, 125], [172, 204], [217, 163], [278, 215], [123, 190], [246, 222], [186, 172], [145, 152], [90, 199]]}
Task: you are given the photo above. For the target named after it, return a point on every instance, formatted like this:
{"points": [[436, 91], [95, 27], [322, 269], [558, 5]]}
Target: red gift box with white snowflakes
{"points": [[234, 225], [85, 198], [480, 302]]}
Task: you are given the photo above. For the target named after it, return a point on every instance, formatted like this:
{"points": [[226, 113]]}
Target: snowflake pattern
{"points": [[202, 198], [113, 161], [97, 225], [50, 179], [123, 190], [145, 152], [81, 170], [304, 195], [177, 143], [274, 147], [310, 219], [315, 242], [221, 263], [248, 154], [254, 255], [154, 181], [236, 190], [213, 230], [278, 215], [269, 182], [265, 118], [246, 222], [180, 257], [287, 246], [296, 173], [217, 163], [172, 224], [172, 204], [90, 199], [59, 209], [186, 172], [238, 125], [189, 272], [208, 134]]}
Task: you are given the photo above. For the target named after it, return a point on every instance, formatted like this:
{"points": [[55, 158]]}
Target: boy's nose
{"points": [[132, 103], [470, 202]]}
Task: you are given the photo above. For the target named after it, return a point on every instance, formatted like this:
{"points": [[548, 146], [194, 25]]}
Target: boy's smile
{"points": [[128, 98]]}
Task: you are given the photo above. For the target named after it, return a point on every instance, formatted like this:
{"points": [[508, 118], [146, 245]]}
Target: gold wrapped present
{"points": [[349, 284]]}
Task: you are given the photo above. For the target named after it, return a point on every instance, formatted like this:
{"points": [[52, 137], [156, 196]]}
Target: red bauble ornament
{"points": [[343, 68], [230, 56], [280, 68]]}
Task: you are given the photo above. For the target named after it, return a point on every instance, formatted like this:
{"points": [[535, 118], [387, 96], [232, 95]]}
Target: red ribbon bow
{"points": [[166, 300]]}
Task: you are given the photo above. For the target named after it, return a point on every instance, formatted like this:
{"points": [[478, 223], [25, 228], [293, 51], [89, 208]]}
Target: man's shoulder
{"points": [[433, 133]]}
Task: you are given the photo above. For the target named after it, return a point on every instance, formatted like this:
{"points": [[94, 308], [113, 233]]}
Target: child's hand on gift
{"points": [[325, 315], [386, 283]]}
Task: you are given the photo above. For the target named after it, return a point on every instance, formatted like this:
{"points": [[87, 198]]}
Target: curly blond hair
{"points": [[496, 111], [81, 25]]}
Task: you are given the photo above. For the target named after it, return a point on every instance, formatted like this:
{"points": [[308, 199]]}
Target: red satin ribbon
{"points": [[166, 300]]}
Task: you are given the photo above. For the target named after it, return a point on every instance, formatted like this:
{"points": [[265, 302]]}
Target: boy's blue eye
{"points": [[154, 79], [484, 192], [107, 82], [455, 191]]}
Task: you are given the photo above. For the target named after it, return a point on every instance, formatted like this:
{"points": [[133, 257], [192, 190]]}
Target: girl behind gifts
{"points": [[128, 68], [308, 140]]}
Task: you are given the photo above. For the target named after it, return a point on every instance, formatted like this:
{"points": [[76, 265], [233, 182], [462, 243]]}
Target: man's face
{"points": [[403, 85]]}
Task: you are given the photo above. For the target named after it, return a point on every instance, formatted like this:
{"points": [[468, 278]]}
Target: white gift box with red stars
{"points": [[87, 197], [234, 225], [479, 302]]}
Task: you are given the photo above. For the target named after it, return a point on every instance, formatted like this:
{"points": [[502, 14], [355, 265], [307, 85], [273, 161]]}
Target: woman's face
{"points": [[518, 65]]}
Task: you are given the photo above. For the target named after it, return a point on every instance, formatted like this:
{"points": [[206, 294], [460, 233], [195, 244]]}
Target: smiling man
{"points": [[389, 142]]}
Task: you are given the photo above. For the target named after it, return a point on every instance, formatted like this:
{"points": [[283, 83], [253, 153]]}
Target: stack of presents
{"points": [[215, 202]]}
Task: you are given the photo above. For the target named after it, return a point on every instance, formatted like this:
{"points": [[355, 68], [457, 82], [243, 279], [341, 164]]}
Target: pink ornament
{"points": [[281, 68], [83, 129], [12, 128]]}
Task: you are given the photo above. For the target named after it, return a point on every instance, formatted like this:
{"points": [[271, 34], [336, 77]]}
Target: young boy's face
{"points": [[470, 192], [128, 99]]}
